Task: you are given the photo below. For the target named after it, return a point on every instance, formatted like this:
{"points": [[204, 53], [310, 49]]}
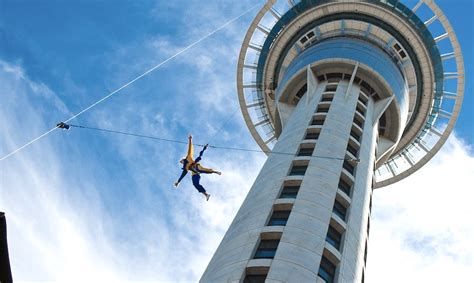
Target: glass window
{"points": [[340, 210], [322, 109], [331, 87], [355, 136], [317, 122], [352, 150], [267, 249], [326, 98], [363, 99], [358, 123], [348, 166], [311, 136], [334, 237], [260, 278], [365, 253], [289, 191], [297, 170], [345, 187], [368, 226], [302, 91], [279, 218], [360, 110], [305, 151], [327, 270]]}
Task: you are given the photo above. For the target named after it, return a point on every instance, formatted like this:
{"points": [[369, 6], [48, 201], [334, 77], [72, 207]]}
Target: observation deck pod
{"points": [[407, 60]]}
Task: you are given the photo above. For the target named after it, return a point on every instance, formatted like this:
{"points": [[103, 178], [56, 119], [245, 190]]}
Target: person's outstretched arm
{"points": [[176, 184], [189, 157]]}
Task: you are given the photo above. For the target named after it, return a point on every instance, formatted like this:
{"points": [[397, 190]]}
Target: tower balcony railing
{"points": [[440, 42]]}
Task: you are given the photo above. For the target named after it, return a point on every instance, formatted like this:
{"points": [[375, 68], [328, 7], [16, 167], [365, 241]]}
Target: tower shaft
{"points": [[306, 215]]}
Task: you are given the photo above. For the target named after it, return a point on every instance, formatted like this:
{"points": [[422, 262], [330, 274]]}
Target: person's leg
{"points": [[196, 178], [205, 170]]}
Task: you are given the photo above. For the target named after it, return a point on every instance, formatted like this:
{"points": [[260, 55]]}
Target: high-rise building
{"points": [[346, 96]]}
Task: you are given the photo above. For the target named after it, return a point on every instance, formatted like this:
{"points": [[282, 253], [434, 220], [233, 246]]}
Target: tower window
{"points": [[255, 278], [331, 87], [279, 218], [317, 122], [322, 109], [340, 210], [306, 151], [363, 99], [327, 270], [266, 249], [298, 170], [368, 226], [311, 136], [327, 98], [345, 187], [348, 166], [365, 252], [334, 237], [289, 191], [382, 124], [355, 135], [397, 47], [358, 123], [360, 110], [352, 150], [301, 92]]}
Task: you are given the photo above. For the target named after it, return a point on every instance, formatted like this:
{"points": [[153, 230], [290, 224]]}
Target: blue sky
{"points": [[85, 206]]}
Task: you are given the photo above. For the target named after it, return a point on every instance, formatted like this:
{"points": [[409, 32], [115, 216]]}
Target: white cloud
{"points": [[422, 228], [60, 226]]}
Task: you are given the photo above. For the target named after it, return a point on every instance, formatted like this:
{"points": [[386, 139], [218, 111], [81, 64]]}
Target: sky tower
{"points": [[345, 96]]}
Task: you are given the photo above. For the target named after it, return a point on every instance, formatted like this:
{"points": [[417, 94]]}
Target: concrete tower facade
{"points": [[345, 96]]}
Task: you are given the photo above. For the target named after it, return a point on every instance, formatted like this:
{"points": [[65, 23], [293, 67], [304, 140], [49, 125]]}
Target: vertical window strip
{"points": [[327, 270]]}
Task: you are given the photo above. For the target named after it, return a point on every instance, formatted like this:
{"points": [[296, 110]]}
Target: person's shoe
{"points": [[218, 173], [208, 196]]}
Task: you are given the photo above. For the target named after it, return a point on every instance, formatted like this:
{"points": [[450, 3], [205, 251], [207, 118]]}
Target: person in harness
{"points": [[189, 164]]}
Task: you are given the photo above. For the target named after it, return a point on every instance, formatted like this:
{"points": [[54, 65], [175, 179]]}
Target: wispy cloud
{"points": [[421, 227], [68, 225]]}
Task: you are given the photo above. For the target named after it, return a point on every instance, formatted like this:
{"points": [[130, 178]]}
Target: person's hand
{"points": [[190, 137]]}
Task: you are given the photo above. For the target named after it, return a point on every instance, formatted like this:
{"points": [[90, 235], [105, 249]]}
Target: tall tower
{"points": [[346, 96]]}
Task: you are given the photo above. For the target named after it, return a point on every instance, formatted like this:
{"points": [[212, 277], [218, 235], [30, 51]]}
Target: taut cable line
{"points": [[66, 126], [132, 81]]}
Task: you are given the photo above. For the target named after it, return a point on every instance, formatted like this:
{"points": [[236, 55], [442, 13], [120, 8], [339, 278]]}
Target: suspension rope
{"points": [[224, 123], [132, 81], [64, 126]]}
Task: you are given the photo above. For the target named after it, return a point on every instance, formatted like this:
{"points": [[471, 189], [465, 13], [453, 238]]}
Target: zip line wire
{"points": [[65, 126], [132, 81]]}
